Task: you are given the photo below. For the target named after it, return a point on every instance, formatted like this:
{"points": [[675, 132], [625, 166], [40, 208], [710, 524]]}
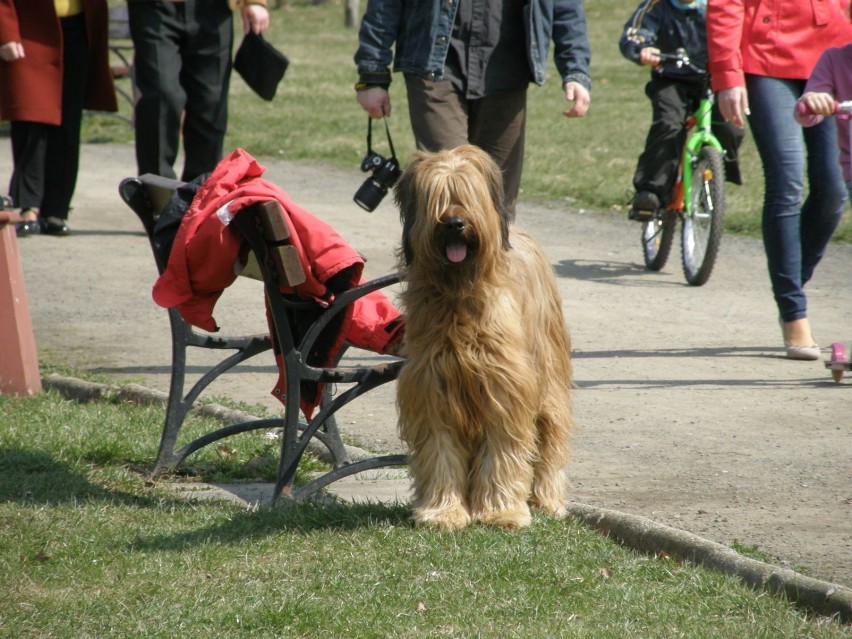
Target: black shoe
{"points": [[55, 226], [645, 204], [31, 227], [28, 227]]}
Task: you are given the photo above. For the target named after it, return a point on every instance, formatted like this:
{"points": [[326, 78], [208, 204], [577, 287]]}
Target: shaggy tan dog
{"points": [[483, 396]]}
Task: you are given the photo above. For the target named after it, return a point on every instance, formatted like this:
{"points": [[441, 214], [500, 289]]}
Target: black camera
{"points": [[386, 172]]}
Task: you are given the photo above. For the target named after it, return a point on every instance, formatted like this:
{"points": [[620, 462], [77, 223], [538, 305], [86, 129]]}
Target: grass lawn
{"points": [[90, 549], [586, 163]]}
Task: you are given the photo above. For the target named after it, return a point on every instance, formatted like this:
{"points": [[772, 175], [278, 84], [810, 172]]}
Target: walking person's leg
{"points": [[26, 187], [157, 30], [438, 114], [498, 126], [205, 77], [823, 208], [781, 145], [29, 148], [63, 144], [656, 168]]}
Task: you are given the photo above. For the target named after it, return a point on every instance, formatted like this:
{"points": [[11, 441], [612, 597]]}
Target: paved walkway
{"points": [[689, 414]]}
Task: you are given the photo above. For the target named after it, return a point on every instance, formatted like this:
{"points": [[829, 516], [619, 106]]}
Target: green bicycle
{"points": [[698, 197]]}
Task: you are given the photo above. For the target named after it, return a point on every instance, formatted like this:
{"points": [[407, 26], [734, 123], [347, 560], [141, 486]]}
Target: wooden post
{"points": [[351, 13], [19, 374]]}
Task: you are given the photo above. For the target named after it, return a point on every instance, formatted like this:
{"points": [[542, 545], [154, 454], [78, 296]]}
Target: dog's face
{"points": [[451, 208]]}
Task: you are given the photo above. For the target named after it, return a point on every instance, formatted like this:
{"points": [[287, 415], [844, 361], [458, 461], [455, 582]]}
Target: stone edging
{"points": [[650, 537]]}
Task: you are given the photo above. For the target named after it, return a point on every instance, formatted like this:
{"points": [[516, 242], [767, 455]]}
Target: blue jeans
{"points": [[795, 234]]}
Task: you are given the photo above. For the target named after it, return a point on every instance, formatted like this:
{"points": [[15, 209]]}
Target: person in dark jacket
{"points": [[467, 67], [54, 62], [666, 26]]}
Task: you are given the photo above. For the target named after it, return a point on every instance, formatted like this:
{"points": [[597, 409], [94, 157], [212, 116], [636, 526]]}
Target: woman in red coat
{"points": [[761, 54], [54, 62]]}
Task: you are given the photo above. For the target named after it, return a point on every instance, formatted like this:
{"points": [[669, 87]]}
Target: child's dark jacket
{"points": [[658, 23]]}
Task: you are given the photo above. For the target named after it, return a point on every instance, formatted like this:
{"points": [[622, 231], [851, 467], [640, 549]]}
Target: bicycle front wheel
{"points": [[704, 218], [657, 238]]}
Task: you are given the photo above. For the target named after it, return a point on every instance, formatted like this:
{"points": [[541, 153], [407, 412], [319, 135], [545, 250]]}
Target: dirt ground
{"points": [[688, 412]]}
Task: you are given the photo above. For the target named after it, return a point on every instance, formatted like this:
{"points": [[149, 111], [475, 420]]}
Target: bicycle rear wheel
{"points": [[657, 238], [704, 218]]}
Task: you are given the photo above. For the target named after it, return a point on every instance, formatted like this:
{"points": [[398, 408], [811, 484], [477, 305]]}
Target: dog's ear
{"points": [[405, 196], [506, 217], [494, 177]]}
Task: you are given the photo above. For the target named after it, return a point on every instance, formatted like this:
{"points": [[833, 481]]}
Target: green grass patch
{"points": [[586, 163], [89, 548]]}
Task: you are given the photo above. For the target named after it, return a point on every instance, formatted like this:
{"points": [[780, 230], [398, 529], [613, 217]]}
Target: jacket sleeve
{"points": [[725, 24], [376, 36], [9, 29], [640, 31], [823, 76], [571, 41]]}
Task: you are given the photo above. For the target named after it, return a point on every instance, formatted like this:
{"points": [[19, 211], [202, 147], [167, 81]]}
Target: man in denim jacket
{"points": [[467, 65]]}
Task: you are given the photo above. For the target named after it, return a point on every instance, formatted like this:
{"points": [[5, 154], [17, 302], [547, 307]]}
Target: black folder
{"points": [[260, 64]]}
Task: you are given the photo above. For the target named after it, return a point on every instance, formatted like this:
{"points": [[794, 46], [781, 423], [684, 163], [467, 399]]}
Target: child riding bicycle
{"points": [[664, 26]]}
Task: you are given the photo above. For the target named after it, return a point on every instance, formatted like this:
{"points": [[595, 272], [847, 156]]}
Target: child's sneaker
{"points": [[644, 206]]}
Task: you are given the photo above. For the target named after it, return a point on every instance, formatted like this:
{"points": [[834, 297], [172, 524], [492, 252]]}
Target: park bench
{"points": [[264, 232], [121, 47]]}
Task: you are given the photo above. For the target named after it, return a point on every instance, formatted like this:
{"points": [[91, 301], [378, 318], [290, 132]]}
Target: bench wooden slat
{"points": [[271, 217], [288, 267], [284, 256]]}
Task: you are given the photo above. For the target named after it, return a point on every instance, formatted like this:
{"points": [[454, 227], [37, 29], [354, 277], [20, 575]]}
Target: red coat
{"points": [[205, 253], [772, 38], [31, 88]]}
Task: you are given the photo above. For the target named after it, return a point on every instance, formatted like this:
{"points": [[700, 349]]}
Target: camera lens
{"points": [[375, 187], [371, 194]]}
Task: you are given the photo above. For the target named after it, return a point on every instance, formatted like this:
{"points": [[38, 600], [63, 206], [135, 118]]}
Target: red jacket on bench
{"points": [[205, 259]]}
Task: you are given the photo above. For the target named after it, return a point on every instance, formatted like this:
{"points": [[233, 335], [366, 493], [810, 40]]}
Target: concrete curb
{"points": [[650, 537], [84, 391], [633, 531]]}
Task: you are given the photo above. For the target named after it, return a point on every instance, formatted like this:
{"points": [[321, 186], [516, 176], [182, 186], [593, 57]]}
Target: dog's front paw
{"points": [[511, 519], [553, 507], [448, 518]]}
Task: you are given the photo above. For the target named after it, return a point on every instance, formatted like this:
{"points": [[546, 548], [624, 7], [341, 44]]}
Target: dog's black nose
{"points": [[454, 223]]}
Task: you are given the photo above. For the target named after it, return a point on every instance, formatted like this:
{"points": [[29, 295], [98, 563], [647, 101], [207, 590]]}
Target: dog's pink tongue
{"points": [[456, 252]]}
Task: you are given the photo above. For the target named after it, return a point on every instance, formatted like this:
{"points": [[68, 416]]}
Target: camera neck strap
{"points": [[370, 136]]}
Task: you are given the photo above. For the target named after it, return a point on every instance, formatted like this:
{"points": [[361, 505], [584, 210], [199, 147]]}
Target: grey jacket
{"points": [[421, 31]]}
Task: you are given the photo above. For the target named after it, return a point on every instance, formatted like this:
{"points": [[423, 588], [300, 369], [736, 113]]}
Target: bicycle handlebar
{"points": [[681, 59], [839, 108]]}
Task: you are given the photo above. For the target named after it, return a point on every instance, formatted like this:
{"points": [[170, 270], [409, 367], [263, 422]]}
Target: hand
{"points": [[375, 101], [579, 95], [11, 51], [255, 18], [649, 57], [733, 105], [819, 103]]}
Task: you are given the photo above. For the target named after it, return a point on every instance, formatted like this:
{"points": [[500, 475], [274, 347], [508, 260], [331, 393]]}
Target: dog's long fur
{"points": [[483, 397]]}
